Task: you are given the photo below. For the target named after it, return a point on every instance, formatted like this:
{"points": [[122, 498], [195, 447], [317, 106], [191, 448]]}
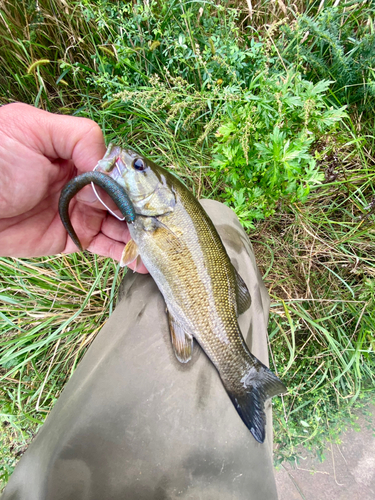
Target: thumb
{"points": [[57, 136]]}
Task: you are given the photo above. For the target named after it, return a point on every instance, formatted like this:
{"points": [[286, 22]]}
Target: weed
{"points": [[263, 147], [336, 44]]}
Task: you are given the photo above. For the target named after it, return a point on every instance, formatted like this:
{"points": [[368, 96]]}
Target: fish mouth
{"points": [[116, 173]]}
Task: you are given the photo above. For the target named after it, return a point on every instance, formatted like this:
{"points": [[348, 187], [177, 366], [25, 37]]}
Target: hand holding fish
{"points": [[40, 152]]}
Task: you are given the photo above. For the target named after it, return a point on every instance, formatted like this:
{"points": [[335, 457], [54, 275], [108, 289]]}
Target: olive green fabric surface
{"points": [[133, 423]]}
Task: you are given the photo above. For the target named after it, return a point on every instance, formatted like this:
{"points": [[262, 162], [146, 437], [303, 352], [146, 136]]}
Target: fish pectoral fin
{"points": [[242, 293], [129, 254], [168, 238], [182, 341], [174, 230]]}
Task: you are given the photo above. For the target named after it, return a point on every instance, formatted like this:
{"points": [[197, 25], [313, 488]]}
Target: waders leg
{"points": [[134, 424]]}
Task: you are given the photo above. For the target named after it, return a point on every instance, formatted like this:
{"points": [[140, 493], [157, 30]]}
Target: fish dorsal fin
{"points": [[242, 294], [129, 254], [182, 341]]}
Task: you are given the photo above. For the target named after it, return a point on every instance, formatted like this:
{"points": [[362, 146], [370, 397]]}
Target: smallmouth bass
{"points": [[203, 292]]}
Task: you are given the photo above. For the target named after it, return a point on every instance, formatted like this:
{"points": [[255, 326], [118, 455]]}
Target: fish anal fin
{"points": [[182, 341], [129, 254], [257, 385], [242, 294]]}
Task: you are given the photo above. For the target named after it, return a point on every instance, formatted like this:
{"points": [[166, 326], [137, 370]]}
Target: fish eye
{"points": [[139, 164]]}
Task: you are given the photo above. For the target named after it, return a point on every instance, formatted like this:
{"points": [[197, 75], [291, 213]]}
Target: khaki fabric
{"points": [[133, 423]]}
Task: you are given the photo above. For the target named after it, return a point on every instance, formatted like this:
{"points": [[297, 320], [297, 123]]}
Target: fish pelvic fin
{"points": [[258, 385], [129, 254], [182, 341]]}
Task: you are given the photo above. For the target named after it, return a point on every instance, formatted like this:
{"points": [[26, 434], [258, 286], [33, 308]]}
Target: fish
{"points": [[203, 292]]}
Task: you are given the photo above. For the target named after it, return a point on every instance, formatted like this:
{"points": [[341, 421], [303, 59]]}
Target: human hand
{"points": [[39, 153]]}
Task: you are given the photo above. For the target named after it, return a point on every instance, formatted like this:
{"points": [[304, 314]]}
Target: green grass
{"points": [[317, 257], [322, 319], [53, 308]]}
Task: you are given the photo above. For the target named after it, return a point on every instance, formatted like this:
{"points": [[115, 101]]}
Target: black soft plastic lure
{"points": [[110, 186]]}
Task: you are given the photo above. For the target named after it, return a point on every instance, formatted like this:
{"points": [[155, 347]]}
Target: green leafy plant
{"points": [[196, 41], [263, 152], [338, 43]]}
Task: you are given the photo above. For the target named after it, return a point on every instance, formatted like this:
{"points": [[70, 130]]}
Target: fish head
{"points": [[145, 183]]}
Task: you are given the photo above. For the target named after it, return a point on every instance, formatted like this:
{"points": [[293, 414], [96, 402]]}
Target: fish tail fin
{"points": [[258, 384]]}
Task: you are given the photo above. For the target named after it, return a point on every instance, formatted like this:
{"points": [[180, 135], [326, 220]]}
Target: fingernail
{"points": [[87, 196]]}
